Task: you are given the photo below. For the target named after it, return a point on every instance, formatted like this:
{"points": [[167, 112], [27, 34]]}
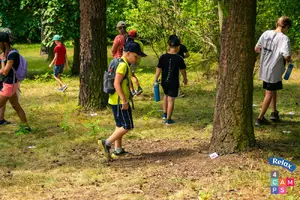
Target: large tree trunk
{"points": [[76, 57], [233, 127], [93, 53]]}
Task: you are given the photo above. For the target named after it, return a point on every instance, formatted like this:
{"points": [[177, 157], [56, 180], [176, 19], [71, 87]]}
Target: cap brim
{"points": [[142, 54]]}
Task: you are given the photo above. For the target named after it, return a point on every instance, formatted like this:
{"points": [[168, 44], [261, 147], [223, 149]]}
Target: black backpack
{"points": [[109, 76]]}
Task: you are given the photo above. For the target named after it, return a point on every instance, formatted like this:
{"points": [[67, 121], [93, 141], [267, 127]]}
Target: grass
{"points": [[60, 159]]}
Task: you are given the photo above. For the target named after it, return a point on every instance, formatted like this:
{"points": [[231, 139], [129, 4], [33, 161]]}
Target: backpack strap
{"points": [[126, 76], [12, 67]]}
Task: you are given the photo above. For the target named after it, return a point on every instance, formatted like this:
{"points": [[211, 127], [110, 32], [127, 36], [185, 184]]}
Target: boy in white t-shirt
{"points": [[275, 49]]}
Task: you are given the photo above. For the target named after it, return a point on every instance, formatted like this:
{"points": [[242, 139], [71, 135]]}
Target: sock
{"points": [[119, 149], [108, 143]]}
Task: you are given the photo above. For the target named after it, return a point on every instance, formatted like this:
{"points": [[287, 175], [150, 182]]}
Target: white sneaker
{"points": [[64, 88]]}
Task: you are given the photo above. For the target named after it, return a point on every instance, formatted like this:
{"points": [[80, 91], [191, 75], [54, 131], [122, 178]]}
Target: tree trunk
{"points": [[44, 49], [93, 53], [233, 127], [50, 53], [76, 57]]}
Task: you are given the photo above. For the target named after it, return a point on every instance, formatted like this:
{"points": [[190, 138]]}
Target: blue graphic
{"points": [[283, 163]]}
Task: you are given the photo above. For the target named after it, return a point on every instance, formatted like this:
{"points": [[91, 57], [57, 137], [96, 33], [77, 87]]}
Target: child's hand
{"points": [[50, 66], [125, 106]]}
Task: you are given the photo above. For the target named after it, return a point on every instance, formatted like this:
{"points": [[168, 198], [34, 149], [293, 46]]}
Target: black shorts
{"points": [[272, 86], [123, 118], [170, 90]]}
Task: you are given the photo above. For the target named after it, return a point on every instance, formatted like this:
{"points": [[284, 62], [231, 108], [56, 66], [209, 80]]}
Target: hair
{"points": [[284, 22], [173, 41]]}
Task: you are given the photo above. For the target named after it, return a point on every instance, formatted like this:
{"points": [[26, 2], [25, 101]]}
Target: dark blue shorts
{"points": [[123, 118], [58, 69]]}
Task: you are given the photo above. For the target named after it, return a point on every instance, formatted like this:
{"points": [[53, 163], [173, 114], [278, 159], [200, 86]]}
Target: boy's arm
{"points": [[117, 84], [183, 72], [257, 49], [67, 62], [157, 73], [54, 59]]}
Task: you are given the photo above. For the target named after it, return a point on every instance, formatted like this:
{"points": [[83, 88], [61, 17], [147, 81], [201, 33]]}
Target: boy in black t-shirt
{"points": [[169, 65]]}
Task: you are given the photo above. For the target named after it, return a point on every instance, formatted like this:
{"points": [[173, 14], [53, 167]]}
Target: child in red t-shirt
{"points": [[119, 41], [60, 57]]}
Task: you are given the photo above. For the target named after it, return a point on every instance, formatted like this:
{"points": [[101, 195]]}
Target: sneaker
{"points": [[275, 116], [263, 121], [164, 116], [181, 94], [116, 154], [23, 130], [63, 88], [4, 122], [59, 89], [170, 121], [104, 148], [133, 93], [139, 91]]}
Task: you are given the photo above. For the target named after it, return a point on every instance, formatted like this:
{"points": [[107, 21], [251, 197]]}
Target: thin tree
{"points": [[93, 53], [233, 126]]}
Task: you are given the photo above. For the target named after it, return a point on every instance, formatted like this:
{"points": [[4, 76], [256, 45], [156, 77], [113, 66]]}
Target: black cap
{"points": [[173, 41], [134, 47], [4, 37]]}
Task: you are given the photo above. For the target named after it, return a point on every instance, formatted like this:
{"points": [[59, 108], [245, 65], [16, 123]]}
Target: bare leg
{"points": [[58, 79], [273, 101], [117, 134], [171, 101], [165, 104], [266, 103], [118, 142], [17, 107], [2, 111]]}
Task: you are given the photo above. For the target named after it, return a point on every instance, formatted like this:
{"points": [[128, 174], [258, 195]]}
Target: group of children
{"points": [[130, 50], [273, 45]]}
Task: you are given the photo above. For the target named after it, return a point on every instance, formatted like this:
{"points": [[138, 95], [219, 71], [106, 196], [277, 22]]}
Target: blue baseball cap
{"points": [[134, 47]]}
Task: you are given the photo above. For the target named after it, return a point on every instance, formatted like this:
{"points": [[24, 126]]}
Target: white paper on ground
{"points": [[213, 155]]}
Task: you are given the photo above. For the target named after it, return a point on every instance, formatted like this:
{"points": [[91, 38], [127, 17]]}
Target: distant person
{"points": [[133, 34], [9, 89], [184, 53], [2, 109], [275, 51], [119, 41], [119, 101], [169, 65], [59, 60]]}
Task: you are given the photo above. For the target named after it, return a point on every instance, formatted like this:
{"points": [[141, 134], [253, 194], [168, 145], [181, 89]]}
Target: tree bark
{"points": [[76, 57], [93, 54], [44, 49], [233, 126]]}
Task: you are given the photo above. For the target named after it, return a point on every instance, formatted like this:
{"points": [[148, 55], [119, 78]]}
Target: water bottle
{"points": [[156, 91], [288, 71]]}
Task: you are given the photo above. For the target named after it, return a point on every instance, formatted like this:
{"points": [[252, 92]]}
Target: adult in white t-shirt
{"points": [[275, 49]]}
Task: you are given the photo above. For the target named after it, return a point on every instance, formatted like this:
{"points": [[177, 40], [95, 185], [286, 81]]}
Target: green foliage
{"points": [[42, 77], [94, 127], [268, 11], [20, 20]]}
